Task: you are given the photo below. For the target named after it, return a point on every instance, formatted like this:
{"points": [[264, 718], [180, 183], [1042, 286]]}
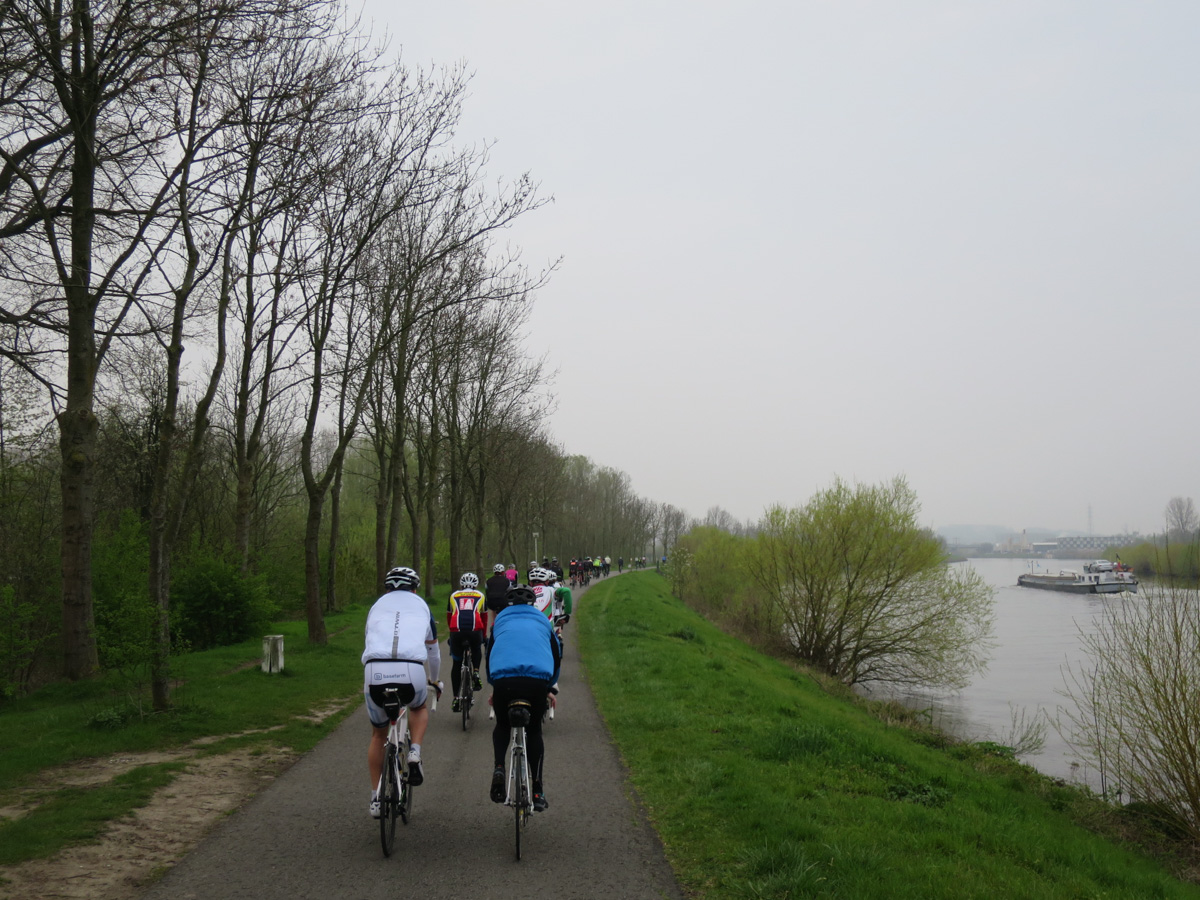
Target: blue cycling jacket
{"points": [[523, 645]]}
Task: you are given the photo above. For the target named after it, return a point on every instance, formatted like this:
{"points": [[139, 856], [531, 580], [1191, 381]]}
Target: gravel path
{"points": [[309, 835]]}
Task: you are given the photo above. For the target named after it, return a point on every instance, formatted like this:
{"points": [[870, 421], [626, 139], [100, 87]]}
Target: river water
{"points": [[1037, 633]]}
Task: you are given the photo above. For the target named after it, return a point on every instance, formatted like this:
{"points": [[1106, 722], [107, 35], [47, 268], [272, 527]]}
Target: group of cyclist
{"points": [[585, 568], [522, 625]]}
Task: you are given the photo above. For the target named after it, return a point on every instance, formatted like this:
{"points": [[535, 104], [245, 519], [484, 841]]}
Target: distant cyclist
{"points": [[523, 662], [496, 589], [467, 619], [401, 641]]}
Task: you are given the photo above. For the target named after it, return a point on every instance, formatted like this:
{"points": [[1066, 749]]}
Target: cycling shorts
{"points": [[380, 673]]}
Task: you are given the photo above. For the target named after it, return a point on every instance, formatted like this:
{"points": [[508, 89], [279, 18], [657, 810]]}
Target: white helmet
{"points": [[498, 567], [470, 580], [401, 578], [541, 575]]}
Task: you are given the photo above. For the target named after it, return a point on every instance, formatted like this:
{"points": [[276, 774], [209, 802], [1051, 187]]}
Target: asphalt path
{"points": [[309, 835]]}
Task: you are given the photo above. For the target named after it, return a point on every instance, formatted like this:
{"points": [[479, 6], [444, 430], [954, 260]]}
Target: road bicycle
{"points": [[394, 791], [520, 786], [466, 687]]}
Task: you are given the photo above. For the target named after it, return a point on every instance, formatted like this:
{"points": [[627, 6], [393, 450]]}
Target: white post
{"points": [[272, 661]]}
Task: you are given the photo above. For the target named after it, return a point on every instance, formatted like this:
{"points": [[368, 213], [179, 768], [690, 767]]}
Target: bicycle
{"points": [[519, 794], [394, 791], [466, 687]]}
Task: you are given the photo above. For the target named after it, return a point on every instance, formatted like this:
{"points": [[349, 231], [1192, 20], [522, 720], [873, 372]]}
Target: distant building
{"points": [[1096, 541]]}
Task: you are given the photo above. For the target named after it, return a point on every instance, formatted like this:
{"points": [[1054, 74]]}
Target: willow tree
{"points": [[864, 593]]}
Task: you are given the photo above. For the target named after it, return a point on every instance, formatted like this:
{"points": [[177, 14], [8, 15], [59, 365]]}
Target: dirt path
{"points": [[307, 833]]}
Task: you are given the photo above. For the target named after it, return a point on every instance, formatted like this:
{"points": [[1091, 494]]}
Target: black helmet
{"points": [[402, 579], [521, 594]]}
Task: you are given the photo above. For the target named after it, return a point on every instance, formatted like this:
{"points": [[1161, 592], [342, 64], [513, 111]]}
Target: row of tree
{"points": [[257, 294]]}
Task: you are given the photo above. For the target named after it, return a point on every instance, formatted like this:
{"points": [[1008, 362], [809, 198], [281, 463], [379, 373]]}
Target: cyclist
{"points": [[401, 640], [551, 600], [556, 569], [523, 662], [496, 589], [511, 573], [467, 619]]}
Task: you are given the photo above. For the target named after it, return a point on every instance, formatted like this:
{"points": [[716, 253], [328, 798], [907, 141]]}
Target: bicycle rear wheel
{"points": [[464, 692], [389, 802]]}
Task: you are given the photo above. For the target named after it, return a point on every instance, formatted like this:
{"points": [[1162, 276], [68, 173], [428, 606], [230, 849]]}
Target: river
{"points": [[1037, 633]]}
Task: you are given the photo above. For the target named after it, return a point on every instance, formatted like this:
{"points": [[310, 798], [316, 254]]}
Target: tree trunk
{"points": [[77, 429], [335, 511], [312, 570]]}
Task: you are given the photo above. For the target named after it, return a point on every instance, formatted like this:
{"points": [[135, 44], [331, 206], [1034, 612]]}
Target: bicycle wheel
{"points": [[467, 692], [521, 794], [389, 802]]}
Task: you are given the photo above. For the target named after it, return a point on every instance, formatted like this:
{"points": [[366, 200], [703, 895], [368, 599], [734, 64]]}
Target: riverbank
{"points": [[765, 782]]}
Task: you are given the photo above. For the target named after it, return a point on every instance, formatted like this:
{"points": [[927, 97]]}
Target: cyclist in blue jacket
{"points": [[523, 657]]}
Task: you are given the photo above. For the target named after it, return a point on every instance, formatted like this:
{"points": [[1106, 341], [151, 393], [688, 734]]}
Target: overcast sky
{"points": [[952, 241]]}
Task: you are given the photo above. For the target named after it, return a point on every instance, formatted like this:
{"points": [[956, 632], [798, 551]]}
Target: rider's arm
{"points": [[433, 652], [556, 651], [565, 594]]}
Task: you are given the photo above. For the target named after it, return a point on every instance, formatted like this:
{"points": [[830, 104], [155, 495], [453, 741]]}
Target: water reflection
{"points": [[1037, 634]]}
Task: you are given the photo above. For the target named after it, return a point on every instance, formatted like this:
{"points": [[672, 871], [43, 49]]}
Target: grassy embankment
{"points": [[764, 784]]}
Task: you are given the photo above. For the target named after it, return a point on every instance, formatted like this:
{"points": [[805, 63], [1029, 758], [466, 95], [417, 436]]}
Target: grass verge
{"points": [[763, 785], [222, 701]]}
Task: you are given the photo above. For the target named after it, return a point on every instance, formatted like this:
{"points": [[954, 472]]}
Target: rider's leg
{"points": [[375, 755]]}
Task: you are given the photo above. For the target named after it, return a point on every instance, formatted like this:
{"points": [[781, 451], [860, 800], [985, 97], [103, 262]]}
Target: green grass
{"points": [[221, 693], [763, 784]]}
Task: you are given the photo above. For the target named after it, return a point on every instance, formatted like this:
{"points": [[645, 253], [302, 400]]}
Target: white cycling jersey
{"points": [[399, 626], [544, 598]]}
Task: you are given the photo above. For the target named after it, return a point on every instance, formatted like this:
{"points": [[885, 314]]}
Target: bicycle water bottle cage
{"points": [[519, 713]]}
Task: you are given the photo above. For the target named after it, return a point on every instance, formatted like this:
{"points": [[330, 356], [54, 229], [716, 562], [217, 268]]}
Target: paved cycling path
{"points": [[308, 835]]}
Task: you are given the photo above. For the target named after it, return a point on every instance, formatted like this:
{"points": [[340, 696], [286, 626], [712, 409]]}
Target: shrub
{"points": [[1136, 702], [216, 605]]}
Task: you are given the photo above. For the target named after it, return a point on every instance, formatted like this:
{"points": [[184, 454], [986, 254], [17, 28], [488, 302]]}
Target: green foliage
{"points": [[862, 591], [1157, 558], [762, 784], [216, 605], [22, 636], [30, 604], [121, 597]]}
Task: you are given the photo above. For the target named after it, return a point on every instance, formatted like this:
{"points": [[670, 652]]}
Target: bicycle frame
{"points": [[520, 786]]}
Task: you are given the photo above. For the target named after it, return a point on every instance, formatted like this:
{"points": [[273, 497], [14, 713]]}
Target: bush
{"points": [[863, 591], [121, 597], [1136, 702], [216, 605]]}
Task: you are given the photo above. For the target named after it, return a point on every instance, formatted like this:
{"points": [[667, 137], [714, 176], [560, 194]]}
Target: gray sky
{"points": [[951, 241]]}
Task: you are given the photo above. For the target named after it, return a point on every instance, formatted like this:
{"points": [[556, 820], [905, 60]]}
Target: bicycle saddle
{"points": [[519, 712]]}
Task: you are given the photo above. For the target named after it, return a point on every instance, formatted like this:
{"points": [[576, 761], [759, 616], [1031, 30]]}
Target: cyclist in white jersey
{"points": [[401, 640]]}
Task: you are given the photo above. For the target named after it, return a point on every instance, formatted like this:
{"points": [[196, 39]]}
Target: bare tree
{"points": [[1182, 520], [90, 169]]}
